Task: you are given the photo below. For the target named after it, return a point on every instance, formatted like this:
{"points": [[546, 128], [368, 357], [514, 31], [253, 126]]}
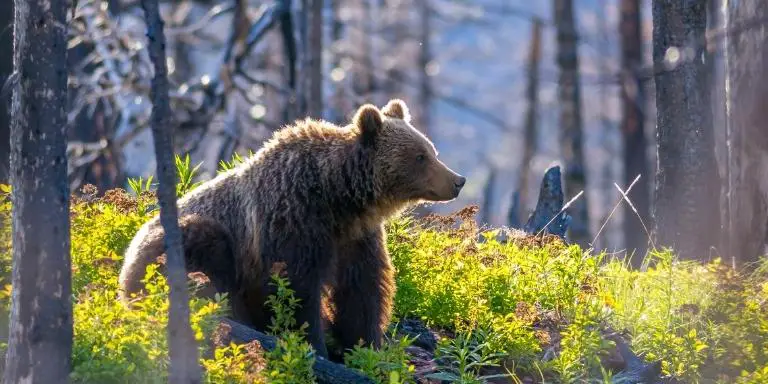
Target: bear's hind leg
{"points": [[363, 292], [305, 259], [207, 249]]}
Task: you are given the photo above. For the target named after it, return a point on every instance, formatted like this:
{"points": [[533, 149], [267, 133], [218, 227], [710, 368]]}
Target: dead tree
{"points": [[183, 351], [531, 115], [632, 128], [686, 209], [570, 118], [747, 69], [314, 76], [6, 67], [40, 332]]}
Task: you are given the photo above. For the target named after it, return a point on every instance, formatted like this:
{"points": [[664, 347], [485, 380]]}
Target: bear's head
{"points": [[405, 162]]}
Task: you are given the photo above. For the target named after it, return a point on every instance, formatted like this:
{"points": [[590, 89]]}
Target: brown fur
{"points": [[315, 198]]}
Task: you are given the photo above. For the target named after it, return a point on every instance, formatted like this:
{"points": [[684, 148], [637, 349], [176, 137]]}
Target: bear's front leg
{"points": [[363, 292]]}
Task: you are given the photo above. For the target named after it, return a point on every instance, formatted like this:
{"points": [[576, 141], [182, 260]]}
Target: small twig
{"points": [[626, 198]]}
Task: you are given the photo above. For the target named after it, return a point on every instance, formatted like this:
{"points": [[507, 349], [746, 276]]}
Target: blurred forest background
{"points": [[504, 88]]}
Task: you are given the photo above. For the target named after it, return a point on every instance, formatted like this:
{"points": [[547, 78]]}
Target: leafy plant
{"points": [[386, 365], [186, 175]]}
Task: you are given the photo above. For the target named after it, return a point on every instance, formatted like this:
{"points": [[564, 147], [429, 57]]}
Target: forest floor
{"points": [[469, 308]]}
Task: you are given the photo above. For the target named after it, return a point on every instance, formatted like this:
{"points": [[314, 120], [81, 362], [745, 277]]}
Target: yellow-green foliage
{"points": [[522, 307], [705, 322]]}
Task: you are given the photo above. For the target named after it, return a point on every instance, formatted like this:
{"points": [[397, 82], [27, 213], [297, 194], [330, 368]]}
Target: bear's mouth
{"points": [[437, 197]]}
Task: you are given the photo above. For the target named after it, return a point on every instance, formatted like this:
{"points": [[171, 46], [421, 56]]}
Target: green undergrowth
{"points": [[522, 308]]}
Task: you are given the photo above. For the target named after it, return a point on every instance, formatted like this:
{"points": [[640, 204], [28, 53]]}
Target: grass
{"points": [[525, 308]]}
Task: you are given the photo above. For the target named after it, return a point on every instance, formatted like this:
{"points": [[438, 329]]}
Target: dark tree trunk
{"points": [[686, 207], [570, 119], [184, 367], [306, 21], [40, 335], [314, 75], [531, 118], [747, 71], [422, 118], [425, 56], [6, 67], [632, 128]]}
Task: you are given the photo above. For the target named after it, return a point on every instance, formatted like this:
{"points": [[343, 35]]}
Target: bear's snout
{"points": [[458, 184]]}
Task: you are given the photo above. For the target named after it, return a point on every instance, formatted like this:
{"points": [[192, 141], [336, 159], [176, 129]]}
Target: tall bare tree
{"points": [[632, 128], [40, 335], [747, 71], [6, 67], [315, 58], [686, 209], [185, 367], [531, 117], [570, 118]]}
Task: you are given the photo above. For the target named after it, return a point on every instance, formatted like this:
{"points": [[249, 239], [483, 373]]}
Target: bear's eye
{"points": [[420, 158]]}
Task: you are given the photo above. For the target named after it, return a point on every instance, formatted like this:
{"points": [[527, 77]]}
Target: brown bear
{"points": [[314, 198]]}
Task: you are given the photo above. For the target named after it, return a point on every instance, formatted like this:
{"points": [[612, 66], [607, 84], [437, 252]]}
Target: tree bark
{"points": [[747, 98], [184, 367], [531, 118], [6, 67], [686, 209], [632, 128], [40, 335], [314, 75], [570, 119]]}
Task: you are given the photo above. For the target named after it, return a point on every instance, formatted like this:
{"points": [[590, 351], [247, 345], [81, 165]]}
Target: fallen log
{"points": [[326, 371]]}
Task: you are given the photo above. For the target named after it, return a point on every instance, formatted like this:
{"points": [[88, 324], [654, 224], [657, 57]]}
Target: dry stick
{"points": [[183, 351], [568, 204], [613, 211], [647, 233]]}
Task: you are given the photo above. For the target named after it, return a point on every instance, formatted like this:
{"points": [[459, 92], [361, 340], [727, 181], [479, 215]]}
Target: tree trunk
{"points": [[314, 92], [184, 367], [307, 19], [632, 128], [570, 119], [686, 207], [425, 56], [40, 336], [747, 69], [531, 118], [6, 67]]}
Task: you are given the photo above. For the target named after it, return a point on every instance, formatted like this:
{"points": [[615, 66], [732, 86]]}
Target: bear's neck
{"points": [[352, 191]]}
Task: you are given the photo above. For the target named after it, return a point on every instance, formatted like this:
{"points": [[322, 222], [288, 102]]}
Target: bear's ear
{"points": [[368, 120], [396, 108]]}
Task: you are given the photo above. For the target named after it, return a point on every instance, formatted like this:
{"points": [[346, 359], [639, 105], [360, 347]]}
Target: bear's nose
{"points": [[460, 181]]}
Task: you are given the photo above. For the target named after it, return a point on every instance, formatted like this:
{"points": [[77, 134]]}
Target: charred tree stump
{"points": [[549, 208]]}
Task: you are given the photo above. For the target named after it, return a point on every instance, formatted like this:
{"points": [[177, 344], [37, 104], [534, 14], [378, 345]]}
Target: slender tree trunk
{"points": [[307, 18], [531, 118], [314, 76], [570, 119], [184, 367], [632, 128], [6, 67], [686, 207], [488, 196], [425, 56], [747, 98], [40, 336]]}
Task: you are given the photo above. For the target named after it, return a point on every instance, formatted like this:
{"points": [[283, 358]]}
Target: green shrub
{"points": [[523, 307]]}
